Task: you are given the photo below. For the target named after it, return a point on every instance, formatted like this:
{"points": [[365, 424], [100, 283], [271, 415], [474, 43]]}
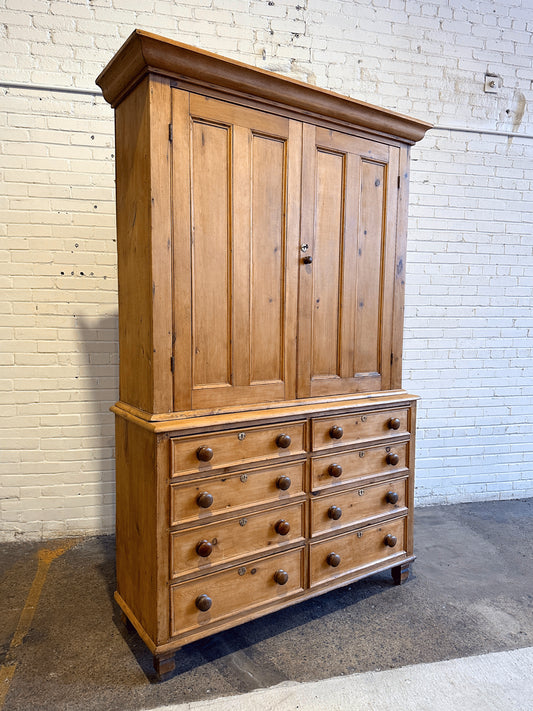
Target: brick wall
{"points": [[470, 264]]}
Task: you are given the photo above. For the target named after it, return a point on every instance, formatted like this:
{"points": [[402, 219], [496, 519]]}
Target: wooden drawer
{"points": [[235, 491], [357, 464], [356, 550], [236, 591], [235, 447], [221, 542], [358, 427], [357, 505]]}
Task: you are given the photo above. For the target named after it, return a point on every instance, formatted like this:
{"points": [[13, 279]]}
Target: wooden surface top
{"points": [[145, 53], [177, 421]]}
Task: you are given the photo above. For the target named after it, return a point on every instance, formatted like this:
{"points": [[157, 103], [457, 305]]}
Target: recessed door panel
{"points": [[211, 253], [369, 280], [267, 256], [327, 283]]}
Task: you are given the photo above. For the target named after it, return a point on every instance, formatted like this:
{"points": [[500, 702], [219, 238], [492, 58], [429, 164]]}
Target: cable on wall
{"points": [[97, 92]]}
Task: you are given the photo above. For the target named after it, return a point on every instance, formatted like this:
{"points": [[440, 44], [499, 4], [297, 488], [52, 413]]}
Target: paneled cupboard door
{"points": [[347, 256], [236, 176]]}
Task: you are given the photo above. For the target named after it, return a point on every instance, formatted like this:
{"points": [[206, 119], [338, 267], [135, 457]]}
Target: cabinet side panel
{"points": [[136, 522], [161, 242], [411, 484], [181, 257], [132, 136]]}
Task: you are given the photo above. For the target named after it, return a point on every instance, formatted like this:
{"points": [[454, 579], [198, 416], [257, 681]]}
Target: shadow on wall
{"points": [[97, 391]]}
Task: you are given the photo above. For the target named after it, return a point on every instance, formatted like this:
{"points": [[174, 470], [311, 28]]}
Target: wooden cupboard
{"points": [[261, 230]]}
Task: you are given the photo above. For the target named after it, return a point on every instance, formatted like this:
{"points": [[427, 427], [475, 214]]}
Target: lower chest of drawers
{"points": [[274, 514], [221, 520]]}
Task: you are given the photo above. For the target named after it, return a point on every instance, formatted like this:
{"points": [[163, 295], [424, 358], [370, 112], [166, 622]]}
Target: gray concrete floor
{"points": [[471, 593]]}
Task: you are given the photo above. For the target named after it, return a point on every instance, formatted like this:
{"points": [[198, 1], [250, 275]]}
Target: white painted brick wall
{"points": [[469, 322]]}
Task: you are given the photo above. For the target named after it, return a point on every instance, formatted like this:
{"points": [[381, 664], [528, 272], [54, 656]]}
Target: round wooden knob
{"points": [[394, 423], [281, 577], [390, 540], [335, 470], [333, 559], [283, 482], [282, 527], [308, 259], [203, 603], [205, 499], [392, 497], [334, 512], [204, 548], [204, 454], [336, 432], [283, 441], [392, 458]]}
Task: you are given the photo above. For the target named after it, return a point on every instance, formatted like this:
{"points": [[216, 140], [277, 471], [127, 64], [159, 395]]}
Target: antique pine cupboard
{"points": [[264, 447]]}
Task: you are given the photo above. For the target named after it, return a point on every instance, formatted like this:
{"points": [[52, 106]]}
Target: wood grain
{"points": [[235, 591], [357, 505], [357, 549], [212, 272], [132, 132], [357, 427], [233, 491], [234, 538], [137, 523], [349, 210], [357, 464], [181, 248], [237, 447]]}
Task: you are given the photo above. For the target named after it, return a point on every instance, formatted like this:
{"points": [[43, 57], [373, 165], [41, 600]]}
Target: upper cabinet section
{"points": [[261, 233]]}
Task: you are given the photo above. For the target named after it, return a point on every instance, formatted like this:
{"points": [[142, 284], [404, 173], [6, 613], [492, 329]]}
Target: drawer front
{"points": [[345, 508], [347, 429], [344, 467], [237, 590], [355, 550], [221, 542], [235, 491], [209, 451]]}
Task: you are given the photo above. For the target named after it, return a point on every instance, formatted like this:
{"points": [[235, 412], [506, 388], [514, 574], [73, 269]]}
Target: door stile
{"points": [[307, 232], [181, 253]]}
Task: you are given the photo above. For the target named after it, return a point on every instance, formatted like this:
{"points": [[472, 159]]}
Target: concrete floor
{"points": [[471, 593]]}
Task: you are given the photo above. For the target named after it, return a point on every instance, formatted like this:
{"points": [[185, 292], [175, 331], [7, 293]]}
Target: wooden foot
{"points": [[400, 573], [125, 621], [164, 665]]}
